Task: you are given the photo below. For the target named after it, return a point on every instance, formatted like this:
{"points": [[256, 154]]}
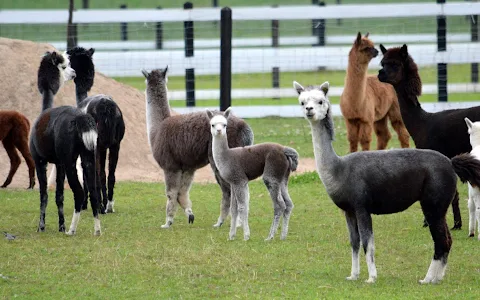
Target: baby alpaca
{"points": [[274, 162], [474, 191]]}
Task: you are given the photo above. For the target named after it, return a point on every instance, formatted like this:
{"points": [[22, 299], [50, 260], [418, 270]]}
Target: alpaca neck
{"points": [[157, 109], [219, 149], [325, 157], [356, 79], [81, 94], [47, 97]]}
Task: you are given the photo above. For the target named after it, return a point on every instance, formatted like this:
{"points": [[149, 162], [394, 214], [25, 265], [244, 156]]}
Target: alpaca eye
{"points": [[303, 103], [64, 67], [320, 102]]}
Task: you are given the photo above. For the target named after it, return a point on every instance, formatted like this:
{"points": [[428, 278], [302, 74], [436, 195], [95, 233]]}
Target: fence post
{"points": [[339, 21], [474, 37], [190, 72], [319, 29], [215, 4], [159, 33], [123, 27], [225, 58], [441, 47], [72, 37], [315, 21], [275, 70]]}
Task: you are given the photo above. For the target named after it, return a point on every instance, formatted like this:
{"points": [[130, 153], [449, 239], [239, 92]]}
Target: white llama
{"points": [[237, 166], [474, 191]]}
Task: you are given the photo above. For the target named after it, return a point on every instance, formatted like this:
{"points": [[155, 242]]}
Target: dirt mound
{"points": [[18, 83]]}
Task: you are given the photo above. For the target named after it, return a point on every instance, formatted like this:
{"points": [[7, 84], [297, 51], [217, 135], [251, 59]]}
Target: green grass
{"points": [[134, 258]]}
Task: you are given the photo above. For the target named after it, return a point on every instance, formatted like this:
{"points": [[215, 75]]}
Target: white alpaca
{"points": [[474, 192], [238, 166]]}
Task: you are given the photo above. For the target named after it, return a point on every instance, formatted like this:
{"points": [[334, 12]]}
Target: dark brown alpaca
{"points": [[366, 103], [14, 130], [442, 131], [181, 144]]}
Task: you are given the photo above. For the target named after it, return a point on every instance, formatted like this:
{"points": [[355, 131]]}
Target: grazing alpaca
{"points": [[107, 115], [366, 103], [384, 182], [442, 131], [59, 136], [14, 130], [238, 166], [474, 191], [181, 144]]}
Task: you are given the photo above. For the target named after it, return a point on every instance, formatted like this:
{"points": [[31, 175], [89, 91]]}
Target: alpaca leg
{"points": [[442, 243], [60, 179], [184, 194], [78, 195], [51, 177], [242, 195], [112, 167], [457, 217], [364, 221], [396, 120], [352, 133], [172, 186], [89, 162], [354, 243], [102, 157], [278, 204], [476, 209], [226, 195], [234, 212], [382, 132], [288, 209], [471, 211], [14, 159], [22, 146], [365, 135], [41, 168]]}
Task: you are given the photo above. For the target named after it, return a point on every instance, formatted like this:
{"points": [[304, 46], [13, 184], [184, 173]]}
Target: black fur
{"points": [[107, 115], [467, 168], [47, 87]]}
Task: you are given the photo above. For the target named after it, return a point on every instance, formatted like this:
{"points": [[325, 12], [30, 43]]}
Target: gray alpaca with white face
{"points": [[384, 182], [274, 162]]}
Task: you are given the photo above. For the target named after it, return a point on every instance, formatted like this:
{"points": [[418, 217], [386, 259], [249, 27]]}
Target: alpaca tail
{"points": [[246, 135], [88, 131], [292, 156], [467, 168]]}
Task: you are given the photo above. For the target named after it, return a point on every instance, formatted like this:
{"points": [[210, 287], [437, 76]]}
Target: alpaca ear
{"points": [[368, 33], [469, 124], [54, 57], [90, 52], [165, 72], [209, 114], [298, 87], [324, 87], [358, 41], [404, 51], [145, 73], [382, 48], [227, 112]]}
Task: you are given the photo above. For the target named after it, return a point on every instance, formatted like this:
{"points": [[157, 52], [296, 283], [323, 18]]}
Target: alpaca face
{"points": [[218, 125], [314, 100], [156, 80], [81, 60], [392, 65], [364, 49], [474, 132], [66, 71]]}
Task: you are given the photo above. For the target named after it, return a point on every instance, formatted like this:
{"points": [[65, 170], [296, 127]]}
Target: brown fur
{"points": [[14, 130], [367, 104]]}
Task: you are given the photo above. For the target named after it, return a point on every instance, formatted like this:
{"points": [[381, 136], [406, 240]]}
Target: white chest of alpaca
{"points": [[474, 192]]}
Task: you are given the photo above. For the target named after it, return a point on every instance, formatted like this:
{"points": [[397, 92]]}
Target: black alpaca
{"points": [[59, 136], [107, 115], [442, 131]]}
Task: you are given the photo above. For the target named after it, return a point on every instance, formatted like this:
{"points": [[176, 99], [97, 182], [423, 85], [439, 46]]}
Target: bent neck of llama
{"points": [[326, 159], [356, 79]]}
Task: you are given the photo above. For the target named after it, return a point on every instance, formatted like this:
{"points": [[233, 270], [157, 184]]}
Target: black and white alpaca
{"points": [[107, 115], [474, 191], [59, 136], [238, 166], [384, 182], [181, 144]]}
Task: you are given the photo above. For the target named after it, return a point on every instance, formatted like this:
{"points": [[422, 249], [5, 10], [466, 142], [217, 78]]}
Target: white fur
{"points": [[372, 269], [149, 119], [355, 266], [53, 173], [65, 70], [90, 139], [97, 227], [73, 226], [110, 208], [474, 192], [435, 272]]}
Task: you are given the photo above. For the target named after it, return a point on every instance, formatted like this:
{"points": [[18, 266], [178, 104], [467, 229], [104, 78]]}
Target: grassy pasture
{"points": [[134, 258]]}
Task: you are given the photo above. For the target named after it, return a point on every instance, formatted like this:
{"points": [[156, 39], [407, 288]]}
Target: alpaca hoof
{"points": [[457, 226], [231, 237], [246, 237], [41, 229], [269, 238], [97, 233], [3, 186], [61, 228], [425, 224], [166, 225], [70, 232], [352, 277], [217, 225], [371, 280], [191, 218], [427, 281], [110, 207], [471, 235]]}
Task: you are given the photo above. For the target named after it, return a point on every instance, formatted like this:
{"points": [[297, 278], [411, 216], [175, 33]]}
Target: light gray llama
{"points": [[274, 162], [384, 182], [181, 144], [474, 191]]}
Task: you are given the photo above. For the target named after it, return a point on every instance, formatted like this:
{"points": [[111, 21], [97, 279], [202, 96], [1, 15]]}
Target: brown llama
{"points": [[366, 103], [14, 130]]}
